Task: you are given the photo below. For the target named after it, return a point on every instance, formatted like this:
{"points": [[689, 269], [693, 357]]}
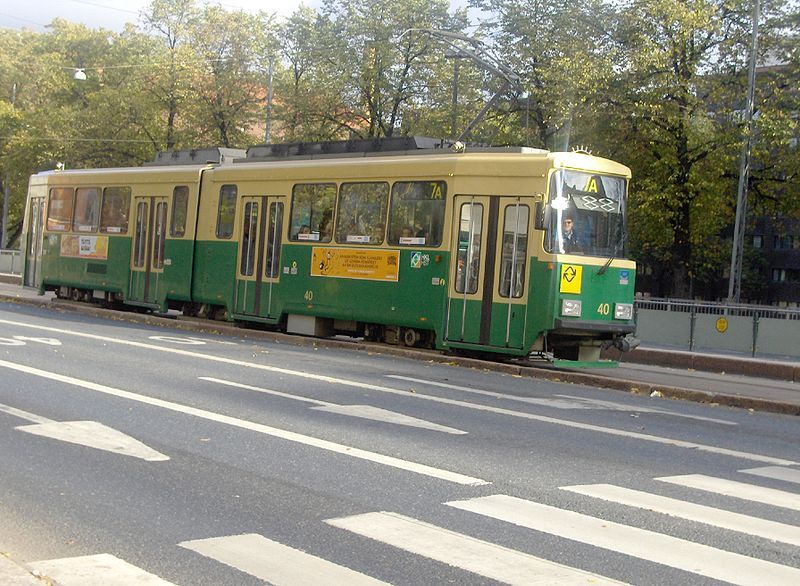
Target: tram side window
{"points": [[249, 236], [140, 235], [312, 212], [417, 216], [470, 239], [87, 209], [160, 235], [59, 212], [362, 213], [515, 251], [272, 266], [180, 205], [115, 211], [226, 213]]}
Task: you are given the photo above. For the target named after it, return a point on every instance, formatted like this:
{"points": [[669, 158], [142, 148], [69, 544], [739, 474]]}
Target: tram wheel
{"points": [[411, 337]]}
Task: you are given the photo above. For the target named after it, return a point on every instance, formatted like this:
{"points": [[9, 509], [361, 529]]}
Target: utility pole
{"points": [[737, 248]]}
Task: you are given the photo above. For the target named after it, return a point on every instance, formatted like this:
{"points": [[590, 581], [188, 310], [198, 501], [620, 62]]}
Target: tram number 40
{"points": [[604, 308], [22, 340]]}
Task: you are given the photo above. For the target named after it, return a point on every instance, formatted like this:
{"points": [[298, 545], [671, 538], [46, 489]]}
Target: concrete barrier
{"points": [[10, 262], [718, 327]]}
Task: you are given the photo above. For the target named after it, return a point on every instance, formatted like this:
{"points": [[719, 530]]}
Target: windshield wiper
{"points": [[617, 247], [604, 268]]}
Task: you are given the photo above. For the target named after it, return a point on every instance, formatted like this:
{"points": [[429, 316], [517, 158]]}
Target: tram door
{"points": [[488, 279], [33, 245], [147, 254], [258, 266]]}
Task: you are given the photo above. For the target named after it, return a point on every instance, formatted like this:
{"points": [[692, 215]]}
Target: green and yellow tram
{"points": [[502, 250]]}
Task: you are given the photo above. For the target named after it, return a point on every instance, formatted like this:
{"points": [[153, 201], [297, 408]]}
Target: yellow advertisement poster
{"points": [[84, 246], [571, 278], [353, 263]]}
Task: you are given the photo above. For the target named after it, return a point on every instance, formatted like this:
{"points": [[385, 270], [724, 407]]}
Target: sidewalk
{"points": [[761, 366]]}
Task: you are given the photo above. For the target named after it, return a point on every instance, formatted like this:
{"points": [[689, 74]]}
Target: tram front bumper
{"points": [[578, 326]]}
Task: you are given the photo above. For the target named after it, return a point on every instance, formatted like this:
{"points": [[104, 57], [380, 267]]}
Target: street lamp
{"points": [[737, 249]]}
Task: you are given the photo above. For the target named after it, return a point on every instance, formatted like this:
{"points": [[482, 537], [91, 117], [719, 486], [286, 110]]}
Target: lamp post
{"points": [[737, 248]]}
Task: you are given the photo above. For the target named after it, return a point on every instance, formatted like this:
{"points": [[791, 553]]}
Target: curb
{"points": [[711, 363], [14, 574], [646, 356]]}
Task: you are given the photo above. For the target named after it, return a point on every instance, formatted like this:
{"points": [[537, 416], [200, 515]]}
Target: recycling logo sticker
{"points": [[571, 278]]}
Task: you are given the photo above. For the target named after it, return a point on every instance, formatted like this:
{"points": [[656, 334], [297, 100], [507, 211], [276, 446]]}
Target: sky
{"points": [[113, 14]]}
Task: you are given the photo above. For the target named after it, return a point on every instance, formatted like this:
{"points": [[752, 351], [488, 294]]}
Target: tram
{"points": [[413, 241]]}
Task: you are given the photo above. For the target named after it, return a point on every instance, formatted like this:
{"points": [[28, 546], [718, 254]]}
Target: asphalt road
{"points": [[194, 458]]}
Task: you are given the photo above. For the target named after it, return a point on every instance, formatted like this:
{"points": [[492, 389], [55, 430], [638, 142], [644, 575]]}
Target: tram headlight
{"points": [[571, 307], [623, 311]]}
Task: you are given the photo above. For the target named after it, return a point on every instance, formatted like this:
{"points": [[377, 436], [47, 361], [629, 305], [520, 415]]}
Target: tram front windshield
{"points": [[587, 214]]}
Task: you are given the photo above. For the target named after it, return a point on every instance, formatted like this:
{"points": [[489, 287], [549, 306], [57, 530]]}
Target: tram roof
{"points": [[121, 174], [374, 157]]}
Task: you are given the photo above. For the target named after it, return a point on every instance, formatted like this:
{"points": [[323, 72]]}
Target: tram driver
{"points": [[569, 237]]}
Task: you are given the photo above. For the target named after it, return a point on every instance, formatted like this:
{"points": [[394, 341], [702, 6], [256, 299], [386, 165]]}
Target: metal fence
{"points": [[700, 325], [10, 262]]}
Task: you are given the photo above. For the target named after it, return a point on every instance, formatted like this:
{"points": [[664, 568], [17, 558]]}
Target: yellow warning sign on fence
{"points": [[571, 278]]}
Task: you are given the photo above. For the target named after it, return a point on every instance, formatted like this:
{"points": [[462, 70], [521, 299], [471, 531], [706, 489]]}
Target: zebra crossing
{"points": [[278, 564]]}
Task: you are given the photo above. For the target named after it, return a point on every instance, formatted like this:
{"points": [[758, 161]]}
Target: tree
{"points": [[227, 89], [563, 52], [680, 98], [169, 76], [382, 76]]}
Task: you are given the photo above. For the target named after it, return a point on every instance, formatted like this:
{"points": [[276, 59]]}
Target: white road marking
{"points": [[361, 411], [357, 384], [467, 553], [95, 435], [86, 433], [257, 427], [600, 404], [557, 403], [272, 392], [178, 340], [647, 545], [739, 490], [386, 416], [24, 414], [699, 513], [46, 341], [275, 563], [96, 570], [572, 402], [776, 472]]}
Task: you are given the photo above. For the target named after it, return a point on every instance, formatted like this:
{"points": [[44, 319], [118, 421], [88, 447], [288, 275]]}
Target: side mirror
{"points": [[543, 212]]}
